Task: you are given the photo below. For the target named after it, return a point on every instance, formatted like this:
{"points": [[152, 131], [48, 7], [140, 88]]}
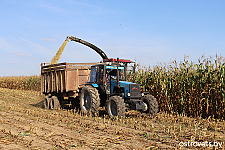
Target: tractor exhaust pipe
{"points": [[134, 68]]}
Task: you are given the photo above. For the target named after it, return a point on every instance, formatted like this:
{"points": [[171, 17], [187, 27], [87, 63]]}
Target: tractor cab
{"points": [[101, 73], [109, 68]]}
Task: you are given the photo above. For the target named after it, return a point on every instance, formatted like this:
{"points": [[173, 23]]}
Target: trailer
{"points": [[63, 82]]}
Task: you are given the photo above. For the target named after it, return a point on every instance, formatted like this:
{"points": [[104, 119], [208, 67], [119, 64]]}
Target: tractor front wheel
{"points": [[151, 105], [115, 106]]}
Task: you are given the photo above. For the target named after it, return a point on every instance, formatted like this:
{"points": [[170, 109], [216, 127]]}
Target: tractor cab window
{"points": [[97, 74], [93, 74], [112, 72], [100, 74]]}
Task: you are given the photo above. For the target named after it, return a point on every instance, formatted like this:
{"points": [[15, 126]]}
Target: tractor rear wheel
{"points": [[115, 106], [89, 100], [47, 102], [151, 105], [54, 103]]}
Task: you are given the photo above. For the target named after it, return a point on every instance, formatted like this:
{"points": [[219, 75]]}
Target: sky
{"points": [[148, 31]]}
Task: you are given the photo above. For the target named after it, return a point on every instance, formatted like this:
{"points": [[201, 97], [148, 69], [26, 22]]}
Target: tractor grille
{"points": [[135, 91]]}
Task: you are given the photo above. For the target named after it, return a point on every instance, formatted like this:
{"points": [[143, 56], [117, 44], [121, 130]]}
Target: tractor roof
{"points": [[115, 60]]}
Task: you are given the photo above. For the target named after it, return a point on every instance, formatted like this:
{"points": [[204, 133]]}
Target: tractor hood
{"points": [[132, 88]]}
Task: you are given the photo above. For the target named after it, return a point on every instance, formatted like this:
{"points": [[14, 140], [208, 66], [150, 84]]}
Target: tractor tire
{"points": [[47, 102], [89, 100], [151, 105], [55, 103], [115, 106]]}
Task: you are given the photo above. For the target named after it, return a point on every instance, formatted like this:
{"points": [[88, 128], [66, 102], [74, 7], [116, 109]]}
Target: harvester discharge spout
{"points": [[95, 48]]}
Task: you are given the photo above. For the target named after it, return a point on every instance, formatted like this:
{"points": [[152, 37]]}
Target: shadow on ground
{"points": [[39, 105]]}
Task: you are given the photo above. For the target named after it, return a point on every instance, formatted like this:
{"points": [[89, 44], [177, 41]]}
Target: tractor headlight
{"points": [[142, 94], [128, 94]]}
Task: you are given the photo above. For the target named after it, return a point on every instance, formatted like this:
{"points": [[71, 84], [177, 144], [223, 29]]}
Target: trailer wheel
{"points": [[89, 100], [115, 106], [47, 102], [151, 105], [54, 103]]}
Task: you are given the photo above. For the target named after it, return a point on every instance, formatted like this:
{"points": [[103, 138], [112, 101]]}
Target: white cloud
{"points": [[51, 7], [19, 54], [48, 39]]}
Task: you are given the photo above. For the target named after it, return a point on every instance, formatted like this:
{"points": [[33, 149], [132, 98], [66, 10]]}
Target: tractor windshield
{"points": [[112, 72]]}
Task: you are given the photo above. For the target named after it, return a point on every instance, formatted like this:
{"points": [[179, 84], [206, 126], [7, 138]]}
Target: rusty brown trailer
{"points": [[64, 79]]}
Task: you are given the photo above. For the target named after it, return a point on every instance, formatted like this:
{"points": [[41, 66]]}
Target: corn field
{"points": [[194, 89], [21, 82]]}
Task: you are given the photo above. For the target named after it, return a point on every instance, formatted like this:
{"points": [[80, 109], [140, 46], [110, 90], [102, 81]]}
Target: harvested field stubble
{"points": [[24, 123]]}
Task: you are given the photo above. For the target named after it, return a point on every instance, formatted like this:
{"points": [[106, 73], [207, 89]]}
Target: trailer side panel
{"points": [[64, 77]]}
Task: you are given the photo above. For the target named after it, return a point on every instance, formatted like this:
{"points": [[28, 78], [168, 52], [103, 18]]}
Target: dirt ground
{"points": [[25, 124]]}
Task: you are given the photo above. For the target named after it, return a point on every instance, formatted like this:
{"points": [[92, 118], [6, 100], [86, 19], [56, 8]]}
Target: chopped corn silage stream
{"points": [[59, 53]]}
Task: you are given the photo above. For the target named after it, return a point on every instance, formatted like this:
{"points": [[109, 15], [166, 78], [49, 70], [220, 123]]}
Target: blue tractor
{"points": [[108, 86]]}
